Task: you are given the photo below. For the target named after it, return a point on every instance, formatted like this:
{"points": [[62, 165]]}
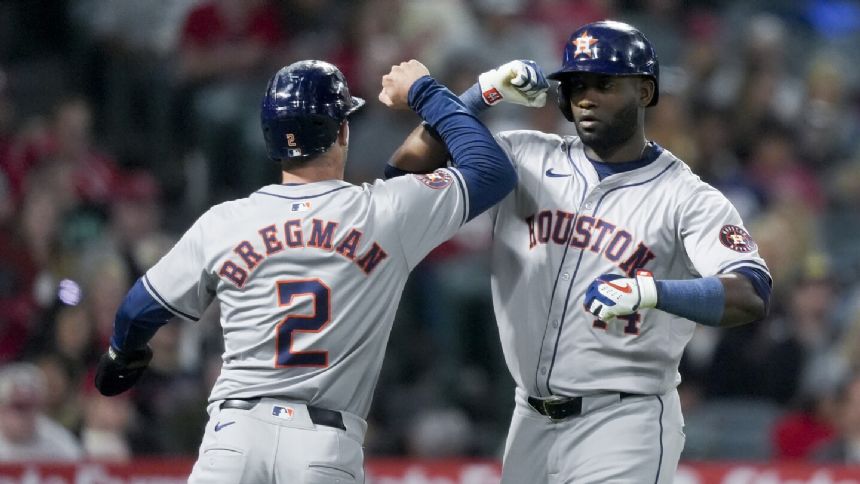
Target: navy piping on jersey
{"points": [[301, 198], [558, 274], [660, 460], [462, 184], [576, 270], [165, 303], [735, 265]]}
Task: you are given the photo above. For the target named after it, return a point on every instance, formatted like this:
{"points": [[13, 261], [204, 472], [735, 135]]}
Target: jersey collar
{"points": [[303, 190], [656, 160]]}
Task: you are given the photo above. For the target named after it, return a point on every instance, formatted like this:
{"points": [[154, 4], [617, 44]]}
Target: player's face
{"points": [[605, 109]]}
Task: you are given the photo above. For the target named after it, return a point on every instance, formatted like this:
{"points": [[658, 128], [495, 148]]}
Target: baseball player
{"points": [[604, 259], [307, 275]]}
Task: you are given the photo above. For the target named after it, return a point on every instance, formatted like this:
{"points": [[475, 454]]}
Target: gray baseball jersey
{"points": [[562, 227], [308, 278]]}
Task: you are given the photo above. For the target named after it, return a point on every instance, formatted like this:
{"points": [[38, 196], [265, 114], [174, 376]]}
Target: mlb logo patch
{"points": [[300, 207], [436, 180], [286, 413]]}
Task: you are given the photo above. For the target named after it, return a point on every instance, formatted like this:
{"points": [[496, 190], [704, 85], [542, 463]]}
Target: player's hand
{"points": [[396, 84], [118, 371], [611, 295], [519, 82]]}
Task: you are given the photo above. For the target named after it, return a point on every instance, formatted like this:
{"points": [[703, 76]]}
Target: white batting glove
{"points": [[519, 82], [611, 295]]}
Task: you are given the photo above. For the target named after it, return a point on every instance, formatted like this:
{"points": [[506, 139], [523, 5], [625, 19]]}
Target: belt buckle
{"points": [[549, 404]]}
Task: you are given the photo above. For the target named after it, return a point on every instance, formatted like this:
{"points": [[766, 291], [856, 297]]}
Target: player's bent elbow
{"points": [[750, 310]]}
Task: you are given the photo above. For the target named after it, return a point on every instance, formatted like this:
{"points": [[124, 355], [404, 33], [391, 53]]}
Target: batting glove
{"points": [[118, 371], [519, 82], [611, 295]]}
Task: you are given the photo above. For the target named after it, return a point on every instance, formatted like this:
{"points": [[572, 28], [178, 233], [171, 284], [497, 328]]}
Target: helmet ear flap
{"points": [[563, 98]]}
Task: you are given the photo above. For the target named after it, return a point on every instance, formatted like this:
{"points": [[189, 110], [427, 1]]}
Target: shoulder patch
{"points": [[737, 239], [437, 180]]}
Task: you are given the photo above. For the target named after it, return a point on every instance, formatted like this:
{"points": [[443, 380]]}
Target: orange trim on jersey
{"points": [[637, 260], [224, 273], [270, 240], [544, 226], [322, 327], [632, 326], [349, 244], [612, 246], [581, 229], [321, 237], [561, 215], [294, 238], [604, 226], [530, 221], [371, 259], [249, 256]]}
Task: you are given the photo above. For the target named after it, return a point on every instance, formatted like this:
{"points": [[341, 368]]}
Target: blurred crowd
{"points": [[121, 121]]}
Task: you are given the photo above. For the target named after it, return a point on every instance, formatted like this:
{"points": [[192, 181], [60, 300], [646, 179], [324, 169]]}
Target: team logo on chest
{"points": [[737, 239]]}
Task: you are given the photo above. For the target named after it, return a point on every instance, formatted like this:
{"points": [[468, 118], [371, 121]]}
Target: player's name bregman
{"points": [[321, 236]]}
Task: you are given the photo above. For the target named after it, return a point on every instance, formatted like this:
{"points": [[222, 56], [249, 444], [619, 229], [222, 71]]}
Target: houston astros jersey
{"points": [[562, 227], [308, 278]]}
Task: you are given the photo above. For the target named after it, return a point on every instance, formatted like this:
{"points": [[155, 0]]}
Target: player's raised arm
{"points": [[488, 173], [520, 82]]}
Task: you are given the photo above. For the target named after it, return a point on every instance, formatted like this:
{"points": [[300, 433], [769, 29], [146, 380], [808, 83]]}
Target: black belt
{"points": [[563, 407], [319, 416]]}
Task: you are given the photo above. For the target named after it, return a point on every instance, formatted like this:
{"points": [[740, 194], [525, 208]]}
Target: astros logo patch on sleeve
{"points": [[436, 180], [737, 239]]}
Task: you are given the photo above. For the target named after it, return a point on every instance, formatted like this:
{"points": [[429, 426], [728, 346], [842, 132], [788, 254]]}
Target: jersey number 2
{"points": [[314, 323]]}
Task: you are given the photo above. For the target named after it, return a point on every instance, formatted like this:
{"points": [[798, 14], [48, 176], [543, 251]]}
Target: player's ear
{"points": [[343, 133], [646, 90]]}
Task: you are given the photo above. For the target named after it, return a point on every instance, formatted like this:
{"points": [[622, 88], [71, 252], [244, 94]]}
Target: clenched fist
{"points": [[396, 84], [611, 295]]}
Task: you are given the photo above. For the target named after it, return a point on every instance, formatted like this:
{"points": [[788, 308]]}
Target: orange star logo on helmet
{"points": [[583, 45]]}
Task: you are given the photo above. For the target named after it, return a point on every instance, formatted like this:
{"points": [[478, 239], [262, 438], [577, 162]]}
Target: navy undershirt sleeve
{"points": [[761, 281], [486, 169], [137, 319], [394, 172]]}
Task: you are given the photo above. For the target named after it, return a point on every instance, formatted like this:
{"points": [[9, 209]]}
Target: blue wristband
{"points": [[473, 100], [700, 300]]}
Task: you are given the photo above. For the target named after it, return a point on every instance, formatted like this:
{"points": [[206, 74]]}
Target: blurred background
{"points": [[121, 121]]}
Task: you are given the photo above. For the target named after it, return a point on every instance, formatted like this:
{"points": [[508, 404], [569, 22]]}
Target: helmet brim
{"points": [[356, 104]]}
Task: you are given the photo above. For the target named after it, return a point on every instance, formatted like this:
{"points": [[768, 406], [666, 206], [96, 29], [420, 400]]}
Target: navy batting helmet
{"points": [[606, 47], [303, 108]]}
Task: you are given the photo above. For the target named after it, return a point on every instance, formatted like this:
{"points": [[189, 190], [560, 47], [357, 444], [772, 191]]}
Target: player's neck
{"points": [[631, 150], [326, 167]]}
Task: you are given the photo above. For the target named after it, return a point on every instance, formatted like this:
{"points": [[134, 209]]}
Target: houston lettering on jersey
{"points": [[318, 234], [594, 234]]}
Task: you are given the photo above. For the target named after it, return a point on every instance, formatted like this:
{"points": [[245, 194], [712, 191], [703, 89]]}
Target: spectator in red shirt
{"points": [[227, 49], [79, 171]]}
